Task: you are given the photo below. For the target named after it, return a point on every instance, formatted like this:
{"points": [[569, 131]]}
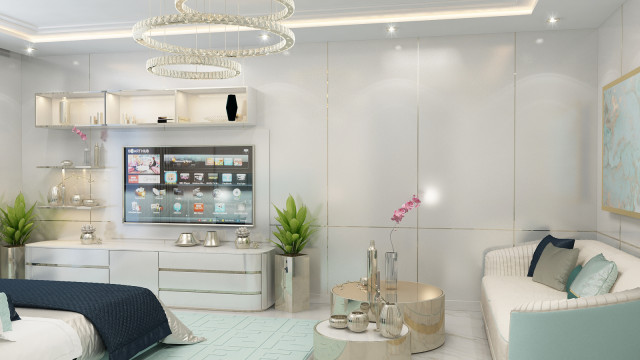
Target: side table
{"points": [[421, 304], [342, 344]]}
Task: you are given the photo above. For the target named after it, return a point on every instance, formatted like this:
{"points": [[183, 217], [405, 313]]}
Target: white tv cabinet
{"points": [[214, 278]]}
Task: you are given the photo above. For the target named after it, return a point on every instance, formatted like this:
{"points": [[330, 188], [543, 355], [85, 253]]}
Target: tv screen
{"points": [[209, 185]]}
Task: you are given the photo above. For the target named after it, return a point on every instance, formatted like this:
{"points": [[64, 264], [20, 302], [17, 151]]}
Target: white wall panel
{"points": [[609, 62], [372, 131], [631, 39], [556, 130], [521, 236], [466, 131], [11, 134], [348, 253], [459, 278]]}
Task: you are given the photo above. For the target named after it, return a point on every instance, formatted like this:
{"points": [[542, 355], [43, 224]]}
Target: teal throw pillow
{"points": [[5, 314], [572, 277], [596, 277]]}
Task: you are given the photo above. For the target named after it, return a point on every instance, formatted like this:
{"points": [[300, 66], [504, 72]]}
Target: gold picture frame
{"points": [[621, 145]]}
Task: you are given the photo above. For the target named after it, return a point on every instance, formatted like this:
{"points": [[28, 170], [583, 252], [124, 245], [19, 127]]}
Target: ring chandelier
{"points": [[211, 57]]}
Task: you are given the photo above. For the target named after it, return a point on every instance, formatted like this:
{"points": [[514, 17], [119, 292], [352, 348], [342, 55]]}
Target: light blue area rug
{"points": [[240, 337]]}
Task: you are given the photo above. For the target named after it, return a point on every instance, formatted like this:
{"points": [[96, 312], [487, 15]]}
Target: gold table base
{"points": [[421, 304], [342, 344]]}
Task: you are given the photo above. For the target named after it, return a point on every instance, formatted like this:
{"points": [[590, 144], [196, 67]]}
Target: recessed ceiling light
{"points": [[552, 20], [30, 50], [539, 41], [391, 29], [264, 37]]}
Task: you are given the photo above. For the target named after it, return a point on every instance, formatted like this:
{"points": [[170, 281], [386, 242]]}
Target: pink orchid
{"points": [[83, 137], [398, 215], [408, 205], [416, 201]]}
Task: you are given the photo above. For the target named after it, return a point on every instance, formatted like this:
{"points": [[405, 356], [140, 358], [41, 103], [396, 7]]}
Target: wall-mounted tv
{"points": [[207, 185]]}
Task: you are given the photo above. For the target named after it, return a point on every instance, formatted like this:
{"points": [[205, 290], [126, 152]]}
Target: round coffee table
{"points": [[342, 344], [421, 304]]}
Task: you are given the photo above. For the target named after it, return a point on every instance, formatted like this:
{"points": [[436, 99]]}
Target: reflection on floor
{"points": [[465, 335]]}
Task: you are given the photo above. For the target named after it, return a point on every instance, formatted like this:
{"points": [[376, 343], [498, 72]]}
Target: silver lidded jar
{"points": [[391, 321], [357, 321], [242, 238], [88, 235]]}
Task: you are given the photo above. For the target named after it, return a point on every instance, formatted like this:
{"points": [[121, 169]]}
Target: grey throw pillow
{"points": [[554, 266]]}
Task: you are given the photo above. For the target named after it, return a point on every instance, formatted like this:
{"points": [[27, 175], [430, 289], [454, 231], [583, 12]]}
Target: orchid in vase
{"points": [[391, 258], [398, 215]]}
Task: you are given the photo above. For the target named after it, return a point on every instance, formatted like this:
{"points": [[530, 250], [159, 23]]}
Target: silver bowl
{"points": [[338, 321], [187, 239], [357, 321], [89, 202]]}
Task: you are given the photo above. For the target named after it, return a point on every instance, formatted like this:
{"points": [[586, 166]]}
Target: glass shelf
{"points": [[72, 167], [71, 207]]}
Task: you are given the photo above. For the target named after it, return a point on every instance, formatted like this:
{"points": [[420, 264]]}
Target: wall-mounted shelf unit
{"points": [[143, 108], [80, 183]]}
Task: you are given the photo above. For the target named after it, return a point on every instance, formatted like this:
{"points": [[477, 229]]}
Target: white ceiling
{"points": [[77, 26]]}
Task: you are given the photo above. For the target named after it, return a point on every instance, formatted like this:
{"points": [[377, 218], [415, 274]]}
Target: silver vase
{"points": [[291, 282], [12, 262], [243, 242], [391, 321], [358, 321]]}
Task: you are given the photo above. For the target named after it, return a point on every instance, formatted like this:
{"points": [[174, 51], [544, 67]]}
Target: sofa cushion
{"points": [[561, 243], [500, 295], [554, 266], [628, 265], [570, 280], [596, 278]]}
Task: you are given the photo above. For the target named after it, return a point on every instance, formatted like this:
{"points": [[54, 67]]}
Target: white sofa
{"points": [[529, 320]]}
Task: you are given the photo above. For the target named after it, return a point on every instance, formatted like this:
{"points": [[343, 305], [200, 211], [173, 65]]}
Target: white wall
{"points": [[10, 135], [495, 132], [618, 54]]}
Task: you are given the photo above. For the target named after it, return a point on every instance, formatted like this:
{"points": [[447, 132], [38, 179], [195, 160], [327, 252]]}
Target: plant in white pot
{"points": [[292, 267], [16, 226]]}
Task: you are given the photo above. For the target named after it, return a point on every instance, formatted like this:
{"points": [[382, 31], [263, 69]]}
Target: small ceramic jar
{"points": [[357, 321]]}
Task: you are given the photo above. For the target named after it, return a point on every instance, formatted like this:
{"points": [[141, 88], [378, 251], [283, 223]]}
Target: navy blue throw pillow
{"points": [[561, 243], [13, 314]]}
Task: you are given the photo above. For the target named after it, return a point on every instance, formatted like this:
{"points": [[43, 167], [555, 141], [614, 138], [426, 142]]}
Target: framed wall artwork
{"points": [[621, 145]]}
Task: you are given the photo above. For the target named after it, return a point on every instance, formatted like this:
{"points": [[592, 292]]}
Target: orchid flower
{"points": [[398, 215]]}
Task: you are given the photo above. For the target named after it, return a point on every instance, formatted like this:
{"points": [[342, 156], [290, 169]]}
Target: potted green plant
{"points": [[16, 226], [292, 267]]}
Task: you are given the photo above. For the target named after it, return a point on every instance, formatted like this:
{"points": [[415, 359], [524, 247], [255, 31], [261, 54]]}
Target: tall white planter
{"points": [[292, 282], [12, 262]]}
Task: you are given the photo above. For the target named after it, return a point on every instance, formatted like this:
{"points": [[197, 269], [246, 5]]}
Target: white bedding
{"points": [[90, 341], [41, 338]]}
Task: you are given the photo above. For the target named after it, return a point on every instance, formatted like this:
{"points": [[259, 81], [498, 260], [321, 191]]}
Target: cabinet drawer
{"points": [[211, 301], [71, 257], [218, 282], [68, 274], [221, 262]]}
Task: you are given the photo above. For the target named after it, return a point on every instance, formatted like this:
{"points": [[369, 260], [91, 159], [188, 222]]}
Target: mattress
{"points": [[40, 338], [92, 345]]}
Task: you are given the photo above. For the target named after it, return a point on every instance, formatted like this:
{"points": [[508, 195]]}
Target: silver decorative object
{"points": [[211, 239], [76, 200], [88, 235], [12, 262], [89, 202], [242, 238], [291, 282], [372, 275], [391, 321], [338, 321], [186, 239], [357, 321], [54, 197]]}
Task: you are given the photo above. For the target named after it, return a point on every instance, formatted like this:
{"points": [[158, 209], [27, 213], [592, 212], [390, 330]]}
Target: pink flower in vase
{"points": [[398, 215]]}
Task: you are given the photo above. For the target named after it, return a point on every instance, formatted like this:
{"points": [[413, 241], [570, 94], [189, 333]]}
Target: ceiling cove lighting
{"points": [[552, 20], [391, 29], [211, 57]]}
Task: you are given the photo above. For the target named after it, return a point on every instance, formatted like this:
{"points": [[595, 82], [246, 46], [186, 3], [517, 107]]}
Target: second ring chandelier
{"points": [[142, 33]]}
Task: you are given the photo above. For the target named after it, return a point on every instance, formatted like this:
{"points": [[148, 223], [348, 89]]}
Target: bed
{"points": [[96, 320]]}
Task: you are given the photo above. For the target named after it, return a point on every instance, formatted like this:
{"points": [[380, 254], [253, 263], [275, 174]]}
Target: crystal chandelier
{"points": [[211, 57]]}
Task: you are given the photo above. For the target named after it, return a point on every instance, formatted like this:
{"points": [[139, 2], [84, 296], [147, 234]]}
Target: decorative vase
{"points": [[391, 321], [12, 262], [291, 282], [88, 235], [391, 276], [232, 107], [357, 321], [242, 238], [54, 197]]}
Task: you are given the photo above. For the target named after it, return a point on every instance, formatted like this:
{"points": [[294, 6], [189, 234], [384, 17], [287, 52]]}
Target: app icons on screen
{"points": [[198, 178], [177, 207], [132, 179], [178, 192], [156, 208], [197, 193], [212, 177], [219, 161], [237, 161], [209, 161], [159, 192], [170, 177], [220, 208], [228, 161], [217, 193], [184, 177], [241, 178], [141, 192], [236, 192], [135, 207], [198, 207], [227, 178]]}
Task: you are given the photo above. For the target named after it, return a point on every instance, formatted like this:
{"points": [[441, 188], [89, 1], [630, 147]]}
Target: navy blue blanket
{"points": [[128, 318]]}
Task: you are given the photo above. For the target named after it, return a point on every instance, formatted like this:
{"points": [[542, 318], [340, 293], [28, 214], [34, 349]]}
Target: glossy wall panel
{"points": [[372, 152], [609, 62], [555, 120], [466, 131], [460, 279], [10, 136], [631, 39]]}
